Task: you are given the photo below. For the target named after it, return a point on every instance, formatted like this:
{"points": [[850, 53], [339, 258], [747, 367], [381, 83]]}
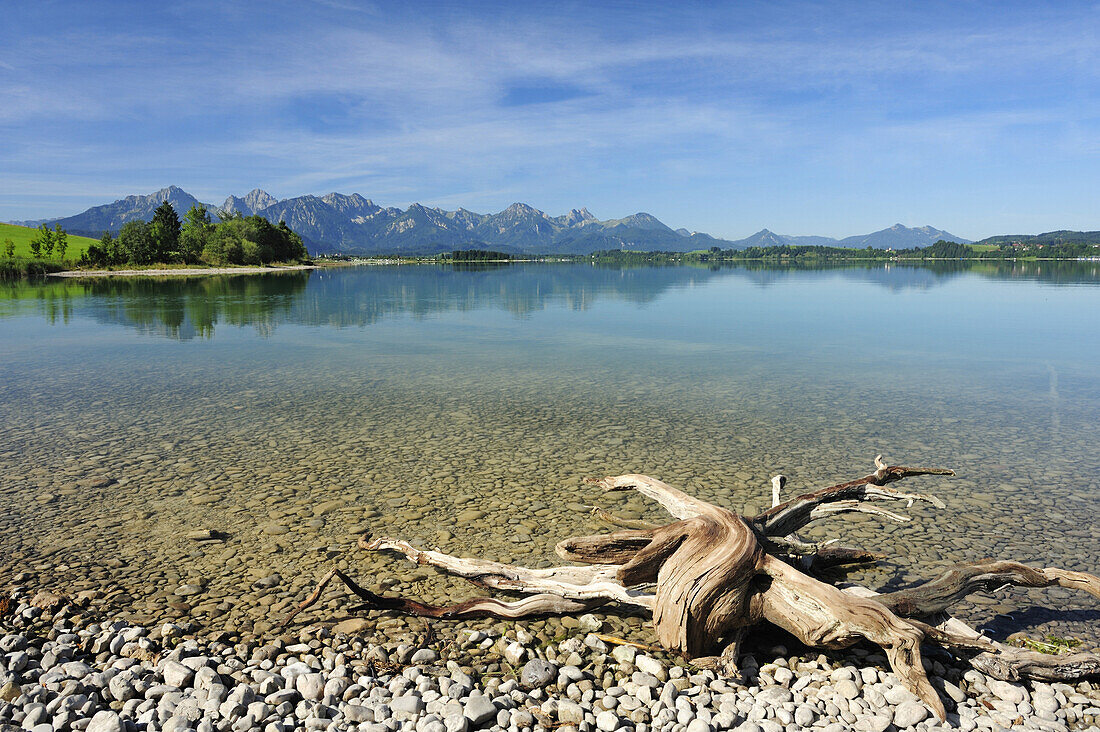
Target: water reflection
{"points": [[180, 308], [897, 276], [185, 308]]}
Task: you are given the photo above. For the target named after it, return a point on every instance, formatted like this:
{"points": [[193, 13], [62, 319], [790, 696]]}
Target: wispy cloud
{"points": [[708, 114]]}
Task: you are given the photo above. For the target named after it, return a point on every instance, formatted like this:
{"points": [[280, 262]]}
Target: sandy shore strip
{"points": [[179, 272]]}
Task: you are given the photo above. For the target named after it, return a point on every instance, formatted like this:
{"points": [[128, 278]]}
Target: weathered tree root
{"points": [[988, 575], [712, 573], [482, 607]]}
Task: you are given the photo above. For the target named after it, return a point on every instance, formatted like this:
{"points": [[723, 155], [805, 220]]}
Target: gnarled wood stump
{"points": [[712, 573]]}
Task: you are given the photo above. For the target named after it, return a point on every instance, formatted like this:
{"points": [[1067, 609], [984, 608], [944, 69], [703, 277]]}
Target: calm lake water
{"points": [[462, 408]]}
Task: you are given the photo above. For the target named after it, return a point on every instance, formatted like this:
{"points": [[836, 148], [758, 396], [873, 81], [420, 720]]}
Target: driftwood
{"points": [[711, 574]]}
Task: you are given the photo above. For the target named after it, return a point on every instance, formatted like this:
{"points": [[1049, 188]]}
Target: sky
{"points": [[804, 118]]}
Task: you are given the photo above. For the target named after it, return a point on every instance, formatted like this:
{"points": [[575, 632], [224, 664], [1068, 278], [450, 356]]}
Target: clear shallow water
{"points": [[293, 411]]}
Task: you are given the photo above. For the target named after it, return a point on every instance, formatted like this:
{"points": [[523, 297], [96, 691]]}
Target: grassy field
{"points": [[984, 247], [22, 236]]}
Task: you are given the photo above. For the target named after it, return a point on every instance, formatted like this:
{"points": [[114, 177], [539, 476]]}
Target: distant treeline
{"points": [[939, 250], [1062, 236], [236, 239], [476, 255]]}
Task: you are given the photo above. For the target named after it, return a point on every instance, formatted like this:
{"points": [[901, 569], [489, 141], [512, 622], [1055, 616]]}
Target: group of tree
{"points": [[235, 239], [478, 255], [45, 243]]}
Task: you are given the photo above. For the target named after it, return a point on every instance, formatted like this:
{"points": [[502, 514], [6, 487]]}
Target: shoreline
{"points": [[201, 271], [189, 272]]}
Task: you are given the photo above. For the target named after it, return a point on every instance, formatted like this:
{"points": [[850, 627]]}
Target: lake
{"points": [[462, 409]]}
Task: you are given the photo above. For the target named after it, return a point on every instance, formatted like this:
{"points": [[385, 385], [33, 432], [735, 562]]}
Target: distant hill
{"points": [[1051, 237], [352, 224], [812, 241], [762, 238], [895, 237], [900, 237]]}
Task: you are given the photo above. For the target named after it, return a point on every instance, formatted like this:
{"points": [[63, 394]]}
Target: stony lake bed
{"points": [[186, 458]]}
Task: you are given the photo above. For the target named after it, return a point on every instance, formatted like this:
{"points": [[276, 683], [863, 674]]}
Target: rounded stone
{"points": [[176, 674], [847, 689], [1006, 691], [608, 721], [105, 721], [310, 686], [569, 712], [804, 715], [424, 655], [409, 704], [538, 673], [479, 710], [909, 713]]}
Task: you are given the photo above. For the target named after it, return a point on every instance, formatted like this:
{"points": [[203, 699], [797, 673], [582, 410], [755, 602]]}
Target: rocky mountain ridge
{"points": [[352, 224]]}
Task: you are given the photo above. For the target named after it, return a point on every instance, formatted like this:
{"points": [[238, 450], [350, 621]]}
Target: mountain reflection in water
{"points": [[185, 308]]}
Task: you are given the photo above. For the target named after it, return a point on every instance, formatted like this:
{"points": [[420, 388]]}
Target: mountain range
{"points": [[338, 223], [895, 237]]}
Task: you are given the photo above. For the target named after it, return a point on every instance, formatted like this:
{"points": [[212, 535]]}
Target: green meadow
{"points": [[22, 235]]}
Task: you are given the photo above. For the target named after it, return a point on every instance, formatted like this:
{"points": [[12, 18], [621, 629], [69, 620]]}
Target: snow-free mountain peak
{"points": [[521, 209], [111, 216], [353, 205], [259, 199], [575, 217], [640, 220], [253, 202], [763, 238], [900, 236]]}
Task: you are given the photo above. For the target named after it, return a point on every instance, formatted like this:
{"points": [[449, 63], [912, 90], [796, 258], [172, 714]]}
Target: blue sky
{"points": [[805, 118]]}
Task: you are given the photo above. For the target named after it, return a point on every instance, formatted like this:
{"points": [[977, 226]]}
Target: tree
{"points": [[45, 241], [60, 241], [164, 230], [295, 248], [104, 253], [9, 248], [36, 244], [135, 243], [252, 240], [194, 233]]}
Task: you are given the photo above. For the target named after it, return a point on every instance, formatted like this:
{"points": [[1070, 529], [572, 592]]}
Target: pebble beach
{"points": [[62, 669]]}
